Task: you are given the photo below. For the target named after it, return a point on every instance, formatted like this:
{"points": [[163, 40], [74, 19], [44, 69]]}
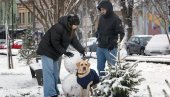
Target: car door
{"points": [[137, 46], [130, 44]]}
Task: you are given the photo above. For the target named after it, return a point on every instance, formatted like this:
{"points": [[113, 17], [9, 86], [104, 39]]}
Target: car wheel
{"points": [[128, 51], [142, 52]]}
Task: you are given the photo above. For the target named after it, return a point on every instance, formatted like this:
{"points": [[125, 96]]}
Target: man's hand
{"points": [[110, 48], [69, 54]]}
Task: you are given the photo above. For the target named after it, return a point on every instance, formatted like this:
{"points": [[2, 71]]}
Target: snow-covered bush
{"points": [[120, 80], [28, 50]]}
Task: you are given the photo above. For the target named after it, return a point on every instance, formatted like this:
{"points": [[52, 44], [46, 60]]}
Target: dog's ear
{"points": [[88, 64], [86, 60], [78, 64]]}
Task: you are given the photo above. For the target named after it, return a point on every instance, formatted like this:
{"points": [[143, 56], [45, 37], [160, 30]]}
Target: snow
{"points": [[155, 75], [158, 58], [158, 44], [68, 62], [18, 82], [160, 39], [90, 41], [70, 86]]}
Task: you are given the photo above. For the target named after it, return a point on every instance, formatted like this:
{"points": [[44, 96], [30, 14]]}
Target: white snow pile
{"points": [[70, 63], [70, 86]]}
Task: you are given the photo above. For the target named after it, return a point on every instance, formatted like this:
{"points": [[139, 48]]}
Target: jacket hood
{"points": [[106, 5], [64, 21]]}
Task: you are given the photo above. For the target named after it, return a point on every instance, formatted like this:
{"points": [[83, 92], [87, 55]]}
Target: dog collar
{"points": [[79, 73], [82, 74]]}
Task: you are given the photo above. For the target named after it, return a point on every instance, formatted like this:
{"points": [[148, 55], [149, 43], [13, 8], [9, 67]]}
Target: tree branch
{"points": [[36, 16]]}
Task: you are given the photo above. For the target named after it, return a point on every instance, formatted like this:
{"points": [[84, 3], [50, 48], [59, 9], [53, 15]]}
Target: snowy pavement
{"points": [[18, 82], [156, 59], [155, 75]]}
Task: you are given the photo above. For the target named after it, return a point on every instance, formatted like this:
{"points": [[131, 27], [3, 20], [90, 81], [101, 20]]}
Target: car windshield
{"points": [[145, 39], [2, 41]]}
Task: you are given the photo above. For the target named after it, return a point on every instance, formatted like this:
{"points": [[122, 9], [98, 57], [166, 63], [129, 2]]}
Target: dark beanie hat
{"points": [[73, 19]]}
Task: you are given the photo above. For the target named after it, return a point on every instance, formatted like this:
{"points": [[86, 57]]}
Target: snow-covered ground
{"points": [[18, 82]]}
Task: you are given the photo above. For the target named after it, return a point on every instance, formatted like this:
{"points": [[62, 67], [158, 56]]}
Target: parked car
{"points": [[17, 44], [90, 43], [2, 43], [158, 45], [136, 44]]}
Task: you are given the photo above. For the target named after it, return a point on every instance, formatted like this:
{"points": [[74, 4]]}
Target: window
{"points": [[132, 39], [1, 15], [20, 18], [29, 17], [23, 18]]}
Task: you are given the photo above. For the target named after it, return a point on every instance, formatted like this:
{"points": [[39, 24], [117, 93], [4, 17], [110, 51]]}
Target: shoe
{"points": [[55, 96]]}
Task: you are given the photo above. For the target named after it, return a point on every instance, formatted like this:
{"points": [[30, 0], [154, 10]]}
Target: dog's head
{"points": [[83, 66]]}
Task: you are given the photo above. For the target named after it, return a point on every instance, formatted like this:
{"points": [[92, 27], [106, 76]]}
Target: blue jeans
{"points": [[50, 76], [104, 55]]}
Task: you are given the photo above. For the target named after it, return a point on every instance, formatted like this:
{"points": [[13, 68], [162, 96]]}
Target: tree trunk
{"points": [[127, 12]]}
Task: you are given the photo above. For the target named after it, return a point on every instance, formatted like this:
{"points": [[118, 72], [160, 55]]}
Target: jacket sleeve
{"points": [[119, 29], [98, 29], [56, 33], [76, 44], [97, 32]]}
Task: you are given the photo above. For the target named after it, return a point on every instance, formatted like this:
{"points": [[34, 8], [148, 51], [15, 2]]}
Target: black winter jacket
{"points": [[109, 27], [57, 39]]}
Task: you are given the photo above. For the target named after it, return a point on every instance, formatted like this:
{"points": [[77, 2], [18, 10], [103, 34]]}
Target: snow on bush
{"points": [[119, 81]]}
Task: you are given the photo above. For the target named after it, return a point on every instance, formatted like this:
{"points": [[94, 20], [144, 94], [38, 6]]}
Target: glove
{"points": [[69, 54], [83, 53]]}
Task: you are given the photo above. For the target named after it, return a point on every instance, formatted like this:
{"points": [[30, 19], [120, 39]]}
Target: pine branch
{"points": [[167, 83], [134, 65], [165, 93], [149, 90]]}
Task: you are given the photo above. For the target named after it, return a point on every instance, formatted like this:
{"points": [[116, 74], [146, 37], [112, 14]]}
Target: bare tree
{"points": [[47, 12], [162, 11], [127, 11], [93, 12], [8, 21], [127, 7]]}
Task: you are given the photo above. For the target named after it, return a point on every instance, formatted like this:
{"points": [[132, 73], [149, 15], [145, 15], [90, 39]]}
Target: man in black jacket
{"points": [[52, 46], [109, 27]]}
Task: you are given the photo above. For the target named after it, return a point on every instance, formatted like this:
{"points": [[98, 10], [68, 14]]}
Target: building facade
{"points": [[25, 18], [148, 21]]}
